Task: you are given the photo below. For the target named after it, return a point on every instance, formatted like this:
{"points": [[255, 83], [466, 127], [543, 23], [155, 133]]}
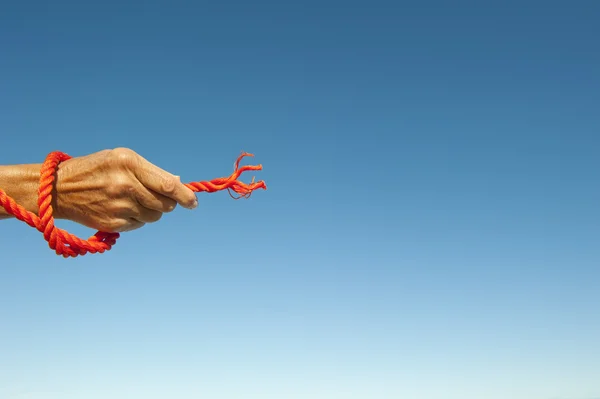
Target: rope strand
{"points": [[69, 245]]}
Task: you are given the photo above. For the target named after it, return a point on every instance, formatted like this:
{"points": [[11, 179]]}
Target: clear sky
{"points": [[430, 230]]}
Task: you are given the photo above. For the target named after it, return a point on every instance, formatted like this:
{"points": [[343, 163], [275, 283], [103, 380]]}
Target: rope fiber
{"points": [[69, 245]]}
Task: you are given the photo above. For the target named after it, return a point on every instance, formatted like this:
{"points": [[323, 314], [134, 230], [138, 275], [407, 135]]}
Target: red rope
{"points": [[69, 245]]}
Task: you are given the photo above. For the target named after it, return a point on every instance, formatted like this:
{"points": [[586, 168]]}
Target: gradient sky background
{"points": [[431, 227]]}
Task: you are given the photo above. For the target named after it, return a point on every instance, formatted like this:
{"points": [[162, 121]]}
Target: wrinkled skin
{"points": [[116, 191]]}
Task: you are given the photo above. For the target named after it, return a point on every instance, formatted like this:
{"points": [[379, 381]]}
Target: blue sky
{"points": [[430, 229]]}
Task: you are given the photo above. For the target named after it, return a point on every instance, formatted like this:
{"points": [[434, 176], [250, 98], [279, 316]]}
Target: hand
{"points": [[116, 191]]}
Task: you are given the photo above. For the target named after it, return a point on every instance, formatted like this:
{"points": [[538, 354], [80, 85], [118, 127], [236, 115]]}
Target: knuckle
{"points": [[116, 225], [119, 186], [121, 209], [169, 186], [123, 155], [137, 226]]}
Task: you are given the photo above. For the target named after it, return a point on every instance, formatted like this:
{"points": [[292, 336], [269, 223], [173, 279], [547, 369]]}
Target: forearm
{"points": [[20, 182]]}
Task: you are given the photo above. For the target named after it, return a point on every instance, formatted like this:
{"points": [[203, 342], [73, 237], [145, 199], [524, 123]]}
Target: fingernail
{"points": [[195, 204]]}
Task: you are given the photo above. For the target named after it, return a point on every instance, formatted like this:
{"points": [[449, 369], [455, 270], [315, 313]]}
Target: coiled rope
{"points": [[69, 245]]}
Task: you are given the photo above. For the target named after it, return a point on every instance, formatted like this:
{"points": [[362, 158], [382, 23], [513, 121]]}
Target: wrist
{"points": [[21, 182], [60, 198]]}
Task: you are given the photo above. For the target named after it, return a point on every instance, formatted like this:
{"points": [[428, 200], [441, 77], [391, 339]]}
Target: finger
{"points": [[153, 200], [134, 210], [146, 215], [132, 224], [122, 225], [165, 183]]}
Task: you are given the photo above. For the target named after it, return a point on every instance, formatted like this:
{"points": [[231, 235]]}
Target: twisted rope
{"points": [[69, 245]]}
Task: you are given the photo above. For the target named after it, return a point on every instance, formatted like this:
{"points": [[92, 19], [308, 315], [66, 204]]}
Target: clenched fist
{"points": [[112, 190]]}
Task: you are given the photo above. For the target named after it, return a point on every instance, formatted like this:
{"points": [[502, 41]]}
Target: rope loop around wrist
{"points": [[69, 245]]}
